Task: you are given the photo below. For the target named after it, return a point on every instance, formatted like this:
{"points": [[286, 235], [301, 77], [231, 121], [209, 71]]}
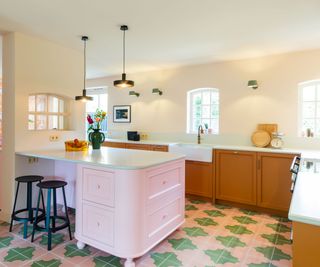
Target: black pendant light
{"points": [[123, 83], [84, 96]]}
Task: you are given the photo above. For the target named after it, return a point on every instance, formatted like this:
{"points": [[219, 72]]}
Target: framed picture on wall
{"points": [[122, 113]]}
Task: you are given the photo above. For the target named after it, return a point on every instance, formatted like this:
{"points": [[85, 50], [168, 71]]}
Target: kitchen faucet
{"points": [[200, 130]]}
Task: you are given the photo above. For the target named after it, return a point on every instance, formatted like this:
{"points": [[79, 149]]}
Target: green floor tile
{"points": [[167, 259]]}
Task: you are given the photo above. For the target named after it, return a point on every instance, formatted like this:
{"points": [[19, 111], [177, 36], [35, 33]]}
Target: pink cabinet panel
{"points": [[159, 219], [98, 223], [160, 182], [98, 186]]}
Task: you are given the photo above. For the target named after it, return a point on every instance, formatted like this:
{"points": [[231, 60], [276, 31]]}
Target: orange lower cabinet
{"points": [[305, 246], [199, 178], [236, 176], [114, 144], [274, 180]]}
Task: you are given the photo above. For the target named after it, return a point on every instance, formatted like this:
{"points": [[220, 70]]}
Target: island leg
{"points": [[129, 263], [80, 245]]}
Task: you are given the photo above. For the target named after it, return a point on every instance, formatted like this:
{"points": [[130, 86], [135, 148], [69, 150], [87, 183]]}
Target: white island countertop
{"points": [[305, 203], [115, 158]]}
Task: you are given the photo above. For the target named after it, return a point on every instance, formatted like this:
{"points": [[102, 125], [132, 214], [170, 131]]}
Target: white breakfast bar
{"points": [[127, 201]]}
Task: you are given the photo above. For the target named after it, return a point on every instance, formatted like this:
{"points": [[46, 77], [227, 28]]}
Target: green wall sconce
{"points": [[133, 93], [253, 84], [157, 91]]}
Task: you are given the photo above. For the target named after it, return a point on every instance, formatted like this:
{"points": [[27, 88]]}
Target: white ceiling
{"points": [[167, 33]]}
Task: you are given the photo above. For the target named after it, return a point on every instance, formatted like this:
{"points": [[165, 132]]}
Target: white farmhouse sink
{"points": [[193, 151]]}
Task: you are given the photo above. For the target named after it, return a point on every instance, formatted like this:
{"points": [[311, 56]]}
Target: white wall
{"points": [[32, 65], [241, 108]]}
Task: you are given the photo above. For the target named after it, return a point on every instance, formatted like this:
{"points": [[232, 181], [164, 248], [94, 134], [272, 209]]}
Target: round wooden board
{"points": [[261, 138]]}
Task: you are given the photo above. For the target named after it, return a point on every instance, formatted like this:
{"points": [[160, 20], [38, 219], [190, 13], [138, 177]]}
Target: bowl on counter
{"points": [[76, 145]]}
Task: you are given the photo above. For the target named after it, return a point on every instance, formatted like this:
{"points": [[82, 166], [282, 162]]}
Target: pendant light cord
{"points": [[85, 63], [124, 52]]}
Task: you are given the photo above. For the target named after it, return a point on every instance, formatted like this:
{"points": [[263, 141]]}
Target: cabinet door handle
{"points": [[292, 187], [235, 152]]}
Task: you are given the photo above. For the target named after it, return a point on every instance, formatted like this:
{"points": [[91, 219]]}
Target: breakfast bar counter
{"points": [[127, 201]]}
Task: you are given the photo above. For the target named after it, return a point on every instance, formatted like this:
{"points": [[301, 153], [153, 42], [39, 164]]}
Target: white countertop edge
{"points": [[225, 147], [36, 154], [303, 219], [142, 142]]}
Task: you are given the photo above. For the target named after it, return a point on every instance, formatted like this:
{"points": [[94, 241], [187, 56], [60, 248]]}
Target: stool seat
{"points": [[29, 178], [51, 184]]}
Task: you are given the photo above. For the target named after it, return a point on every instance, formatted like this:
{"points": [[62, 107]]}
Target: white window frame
{"points": [[190, 107], [97, 91], [65, 114], [301, 87]]}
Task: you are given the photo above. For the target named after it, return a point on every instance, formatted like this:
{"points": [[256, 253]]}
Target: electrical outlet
{"points": [[53, 138]]}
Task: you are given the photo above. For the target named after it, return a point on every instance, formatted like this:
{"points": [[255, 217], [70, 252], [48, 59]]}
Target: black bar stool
{"points": [[16, 214], [51, 186]]}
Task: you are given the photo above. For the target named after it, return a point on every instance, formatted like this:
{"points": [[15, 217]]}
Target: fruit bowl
{"points": [[76, 145]]}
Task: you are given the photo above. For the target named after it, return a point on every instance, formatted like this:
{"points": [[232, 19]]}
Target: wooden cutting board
{"points": [[270, 128], [261, 138]]}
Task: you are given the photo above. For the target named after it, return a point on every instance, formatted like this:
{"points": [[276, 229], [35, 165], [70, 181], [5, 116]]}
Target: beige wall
{"points": [[241, 108], [32, 65]]}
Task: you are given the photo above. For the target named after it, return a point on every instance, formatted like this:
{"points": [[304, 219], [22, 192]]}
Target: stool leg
{"points": [[14, 206], [29, 202], [66, 208], [54, 209], [36, 217], [43, 206], [48, 218]]}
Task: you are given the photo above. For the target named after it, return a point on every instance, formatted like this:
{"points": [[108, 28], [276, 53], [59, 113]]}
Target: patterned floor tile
{"points": [[212, 236]]}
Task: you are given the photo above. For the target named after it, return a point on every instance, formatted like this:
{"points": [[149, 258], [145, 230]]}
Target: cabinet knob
{"points": [[164, 182], [99, 186], [98, 224], [164, 216]]}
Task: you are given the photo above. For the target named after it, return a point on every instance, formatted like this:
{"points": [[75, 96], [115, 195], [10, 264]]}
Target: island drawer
{"points": [[98, 223], [160, 219], [161, 182], [98, 186]]}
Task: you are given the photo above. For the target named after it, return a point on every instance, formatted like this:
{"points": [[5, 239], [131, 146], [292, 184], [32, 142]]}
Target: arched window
{"points": [[203, 109], [48, 112], [309, 109]]}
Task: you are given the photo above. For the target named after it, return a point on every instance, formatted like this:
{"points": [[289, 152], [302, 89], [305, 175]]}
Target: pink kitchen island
{"points": [[126, 201]]}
